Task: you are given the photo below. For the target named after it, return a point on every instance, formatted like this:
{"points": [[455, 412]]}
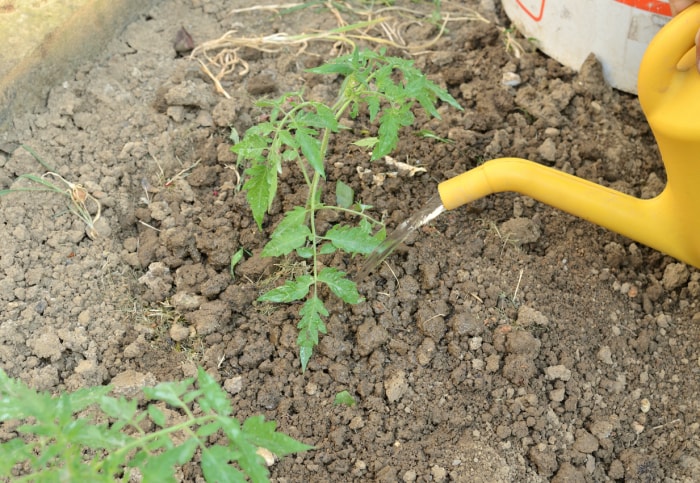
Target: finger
{"points": [[680, 5]]}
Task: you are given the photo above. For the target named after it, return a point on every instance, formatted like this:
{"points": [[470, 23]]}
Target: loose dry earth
{"points": [[506, 341]]}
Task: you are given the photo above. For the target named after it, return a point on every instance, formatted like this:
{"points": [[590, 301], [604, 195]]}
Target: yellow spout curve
{"points": [[652, 222]]}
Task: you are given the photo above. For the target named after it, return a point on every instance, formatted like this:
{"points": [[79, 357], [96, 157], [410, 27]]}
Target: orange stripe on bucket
{"points": [[536, 16], [653, 6]]}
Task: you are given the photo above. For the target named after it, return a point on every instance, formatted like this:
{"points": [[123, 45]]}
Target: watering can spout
{"points": [[646, 221], [669, 93]]}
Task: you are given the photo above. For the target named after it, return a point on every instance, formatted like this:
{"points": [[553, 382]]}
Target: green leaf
{"points": [[291, 290], [118, 408], [13, 451], [345, 398], [235, 258], [305, 252], [263, 434], [156, 415], [213, 397], [260, 190], [311, 149], [351, 239], [246, 452], [290, 234], [169, 392], [368, 142], [216, 468], [310, 326], [253, 145], [161, 467], [208, 429], [326, 249], [389, 124], [234, 137], [82, 398], [326, 118], [338, 66], [340, 285], [344, 195]]}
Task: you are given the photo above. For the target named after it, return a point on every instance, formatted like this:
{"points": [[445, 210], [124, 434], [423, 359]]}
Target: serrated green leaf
{"points": [[288, 139], [118, 408], [156, 415], [311, 149], [290, 234], [84, 397], [264, 434], [373, 106], [352, 239], [326, 249], [326, 118], [345, 398], [101, 436], [13, 452], [252, 147], [213, 396], [215, 466], [344, 195], [289, 292], [259, 190], [246, 453], [208, 429], [340, 285], [390, 122], [305, 252], [306, 350], [169, 392], [161, 467], [309, 327]]}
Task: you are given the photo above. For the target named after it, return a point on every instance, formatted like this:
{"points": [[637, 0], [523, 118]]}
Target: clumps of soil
{"points": [[505, 341]]}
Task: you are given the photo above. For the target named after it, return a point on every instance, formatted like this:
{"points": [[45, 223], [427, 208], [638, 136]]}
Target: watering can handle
{"points": [[671, 51]]}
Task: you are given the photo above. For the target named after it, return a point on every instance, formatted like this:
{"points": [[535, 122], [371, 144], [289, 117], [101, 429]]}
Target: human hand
{"points": [[678, 6]]}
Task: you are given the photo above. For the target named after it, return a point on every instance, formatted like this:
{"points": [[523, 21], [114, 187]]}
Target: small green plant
{"points": [[299, 131], [90, 436], [344, 398]]}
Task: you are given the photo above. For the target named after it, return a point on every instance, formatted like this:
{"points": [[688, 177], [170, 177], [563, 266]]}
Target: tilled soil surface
{"points": [[505, 341]]}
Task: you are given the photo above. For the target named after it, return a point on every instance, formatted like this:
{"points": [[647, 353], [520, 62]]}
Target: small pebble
{"points": [[605, 355], [511, 79], [645, 405]]}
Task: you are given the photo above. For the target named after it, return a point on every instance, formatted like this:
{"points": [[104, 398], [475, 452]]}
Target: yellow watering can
{"points": [[669, 92]]}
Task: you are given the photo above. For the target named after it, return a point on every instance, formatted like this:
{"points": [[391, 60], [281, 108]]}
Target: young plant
{"points": [[89, 436], [299, 131]]}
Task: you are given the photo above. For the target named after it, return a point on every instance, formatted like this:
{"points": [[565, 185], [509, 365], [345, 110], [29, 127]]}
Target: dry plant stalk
{"points": [[81, 202], [80, 198], [386, 26]]}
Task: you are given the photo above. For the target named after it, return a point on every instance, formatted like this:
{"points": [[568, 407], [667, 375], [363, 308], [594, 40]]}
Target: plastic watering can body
{"points": [[669, 92]]}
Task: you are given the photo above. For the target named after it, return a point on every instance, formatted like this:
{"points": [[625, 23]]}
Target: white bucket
{"points": [[616, 31]]}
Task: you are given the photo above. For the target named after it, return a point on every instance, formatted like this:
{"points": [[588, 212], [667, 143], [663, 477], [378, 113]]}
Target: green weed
{"points": [[298, 131], [90, 436]]}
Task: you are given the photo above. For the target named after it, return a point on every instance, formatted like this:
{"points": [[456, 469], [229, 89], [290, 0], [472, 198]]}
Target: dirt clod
{"points": [[505, 341]]}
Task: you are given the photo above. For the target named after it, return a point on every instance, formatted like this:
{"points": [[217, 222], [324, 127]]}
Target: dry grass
{"points": [[385, 26]]}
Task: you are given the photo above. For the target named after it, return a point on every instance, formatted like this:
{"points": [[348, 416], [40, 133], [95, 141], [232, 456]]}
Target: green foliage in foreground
{"points": [[298, 131], [89, 436]]}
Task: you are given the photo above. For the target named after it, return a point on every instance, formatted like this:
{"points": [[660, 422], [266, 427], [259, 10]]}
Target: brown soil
{"points": [[506, 341]]}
